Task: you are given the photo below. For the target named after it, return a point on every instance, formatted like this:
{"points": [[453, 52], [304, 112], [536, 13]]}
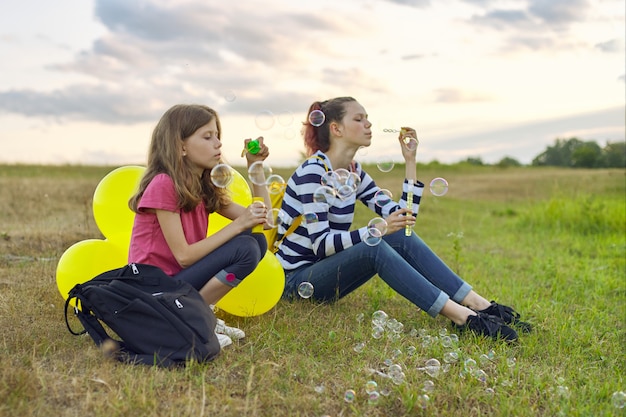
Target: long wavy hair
{"points": [[165, 156], [317, 138]]}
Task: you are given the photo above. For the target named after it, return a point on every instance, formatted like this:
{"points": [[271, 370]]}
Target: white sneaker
{"points": [[232, 332], [224, 340]]}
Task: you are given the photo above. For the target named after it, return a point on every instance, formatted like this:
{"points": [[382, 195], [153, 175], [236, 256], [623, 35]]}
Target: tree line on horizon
{"points": [[571, 153]]}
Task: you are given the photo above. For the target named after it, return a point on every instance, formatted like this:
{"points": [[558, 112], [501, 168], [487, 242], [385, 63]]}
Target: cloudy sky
{"points": [[85, 81]]}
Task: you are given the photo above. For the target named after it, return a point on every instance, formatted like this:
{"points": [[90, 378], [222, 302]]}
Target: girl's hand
{"points": [[254, 215], [262, 153], [399, 219], [408, 143]]}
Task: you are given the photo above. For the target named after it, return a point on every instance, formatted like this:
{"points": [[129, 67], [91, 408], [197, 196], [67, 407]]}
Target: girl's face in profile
{"points": [[203, 147], [355, 125]]}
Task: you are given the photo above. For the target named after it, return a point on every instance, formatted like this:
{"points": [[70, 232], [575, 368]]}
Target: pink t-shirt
{"points": [[147, 243]]}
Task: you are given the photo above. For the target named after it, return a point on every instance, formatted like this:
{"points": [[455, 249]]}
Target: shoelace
{"points": [[503, 311]]}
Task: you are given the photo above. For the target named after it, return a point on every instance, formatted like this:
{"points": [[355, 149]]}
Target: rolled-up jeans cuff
{"points": [[462, 293], [437, 306], [227, 278]]}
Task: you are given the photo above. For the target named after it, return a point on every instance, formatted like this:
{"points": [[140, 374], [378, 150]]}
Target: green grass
{"points": [[550, 242]]}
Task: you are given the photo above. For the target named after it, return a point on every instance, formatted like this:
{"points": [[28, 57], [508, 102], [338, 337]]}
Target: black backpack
{"points": [[160, 320]]}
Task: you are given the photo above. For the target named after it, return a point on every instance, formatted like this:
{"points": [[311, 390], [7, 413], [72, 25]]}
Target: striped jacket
{"points": [[325, 228]]}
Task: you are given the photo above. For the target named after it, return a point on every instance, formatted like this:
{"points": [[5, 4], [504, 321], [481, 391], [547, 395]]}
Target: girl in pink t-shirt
{"points": [[176, 195]]}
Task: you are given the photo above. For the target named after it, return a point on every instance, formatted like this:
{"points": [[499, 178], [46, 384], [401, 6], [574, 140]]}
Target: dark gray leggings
{"points": [[230, 263]]}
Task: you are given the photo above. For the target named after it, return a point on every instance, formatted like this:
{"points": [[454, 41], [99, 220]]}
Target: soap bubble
{"points": [[230, 96], [432, 367], [259, 173], [385, 166], [305, 289], [342, 175], [377, 227], [438, 186], [329, 179], [309, 217], [371, 240], [382, 197], [484, 359], [317, 118], [394, 369], [354, 181], [410, 143], [399, 378], [450, 357], [373, 397], [349, 395], [563, 391], [345, 191], [289, 133], [422, 401], [324, 194], [285, 118], [222, 175], [379, 318], [395, 326], [427, 340], [396, 353], [446, 341], [274, 217], [264, 120], [378, 332], [275, 184], [358, 348], [371, 386], [469, 365], [429, 386], [480, 375], [618, 399], [257, 208]]}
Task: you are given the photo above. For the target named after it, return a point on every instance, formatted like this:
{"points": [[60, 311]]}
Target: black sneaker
{"points": [[487, 325], [508, 315]]}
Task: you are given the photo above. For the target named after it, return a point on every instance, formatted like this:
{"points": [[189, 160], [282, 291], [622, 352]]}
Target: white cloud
{"points": [[110, 66]]}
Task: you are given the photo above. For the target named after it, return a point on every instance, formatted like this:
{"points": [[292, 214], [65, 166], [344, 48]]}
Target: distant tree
{"points": [[508, 161], [614, 155], [558, 155], [434, 164], [474, 161], [587, 155]]}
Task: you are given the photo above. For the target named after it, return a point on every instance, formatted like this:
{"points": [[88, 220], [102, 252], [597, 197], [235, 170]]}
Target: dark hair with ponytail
{"points": [[317, 138]]}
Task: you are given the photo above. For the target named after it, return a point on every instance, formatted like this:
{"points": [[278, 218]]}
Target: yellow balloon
{"points": [[240, 190], [240, 194], [259, 292], [216, 222], [86, 259], [110, 203]]}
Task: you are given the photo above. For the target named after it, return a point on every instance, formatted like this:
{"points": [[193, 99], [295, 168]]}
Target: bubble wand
{"points": [[409, 142], [408, 230], [253, 147]]}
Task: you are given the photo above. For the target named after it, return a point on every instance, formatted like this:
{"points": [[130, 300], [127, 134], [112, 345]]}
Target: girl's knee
{"points": [[248, 248]]}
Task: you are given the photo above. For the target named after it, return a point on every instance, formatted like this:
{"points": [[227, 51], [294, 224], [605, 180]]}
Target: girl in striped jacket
{"points": [[325, 251]]}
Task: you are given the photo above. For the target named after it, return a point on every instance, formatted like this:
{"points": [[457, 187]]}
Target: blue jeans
{"points": [[230, 263], [405, 263]]}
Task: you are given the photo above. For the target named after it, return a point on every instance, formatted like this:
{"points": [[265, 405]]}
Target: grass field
{"points": [[550, 242]]}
